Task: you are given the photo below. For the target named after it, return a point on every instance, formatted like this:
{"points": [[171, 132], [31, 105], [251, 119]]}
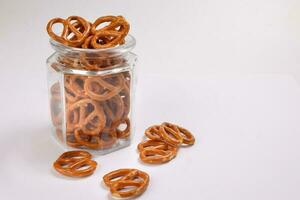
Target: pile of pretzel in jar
{"points": [[97, 106]]}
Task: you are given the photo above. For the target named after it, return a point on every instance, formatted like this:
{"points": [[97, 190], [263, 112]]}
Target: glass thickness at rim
{"points": [[118, 50], [111, 70], [94, 53]]}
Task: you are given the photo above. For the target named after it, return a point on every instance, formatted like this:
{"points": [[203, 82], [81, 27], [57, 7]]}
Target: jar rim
{"points": [[129, 44]]}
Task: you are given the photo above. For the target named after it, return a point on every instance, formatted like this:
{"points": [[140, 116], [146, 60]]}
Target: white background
{"points": [[226, 70]]}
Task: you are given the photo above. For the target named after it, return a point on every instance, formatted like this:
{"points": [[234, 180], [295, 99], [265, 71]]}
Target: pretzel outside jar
{"points": [[156, 151], [75, 164], [187, 136], [123, 178], [170, 136]]}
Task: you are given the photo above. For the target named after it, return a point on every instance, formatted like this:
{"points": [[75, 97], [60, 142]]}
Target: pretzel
{"points": [[72, 118], [125, 95], [99, 63], [92, 62], [127, 77], [108, 139], [164, 133], [116, 23], [77, 32], [71, 140], [153, 132], [106, 89], [96, 141], [114, 110], [187, 136], [91, 116], [76, 84], [87, 42], [70, 94], [156, 151], [170, 136], [55, 36], [100, 41], [156, 156], [80, 28], [122, 178], [126, 132], [71, 162], [164, 142], [69, 61], [156, 144]]}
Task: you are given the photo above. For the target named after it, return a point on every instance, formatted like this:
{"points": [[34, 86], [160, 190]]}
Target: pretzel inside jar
{"points": [[97, 111], [97, 105]]}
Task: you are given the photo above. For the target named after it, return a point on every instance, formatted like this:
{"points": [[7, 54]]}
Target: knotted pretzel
{"points": [[164, 142], [94, 63], [101, 89], [187, 136], [75, 30], [166, 133], [116, 24], [87, 115], [121, 179], [100, 141], [114, 110], [125, 95], [106, 39], [75, 83], [110, 113], [108, 138], [153, 132], [72, 142], [125, 132], [70, 94], [156, 151], [170, 136], [69, 61], [75, 164]]}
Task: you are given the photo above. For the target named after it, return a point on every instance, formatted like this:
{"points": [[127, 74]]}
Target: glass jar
{"points": [[91, 96]]}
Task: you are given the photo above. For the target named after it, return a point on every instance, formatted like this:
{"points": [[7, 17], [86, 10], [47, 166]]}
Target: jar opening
{"points": [[108, 52]]}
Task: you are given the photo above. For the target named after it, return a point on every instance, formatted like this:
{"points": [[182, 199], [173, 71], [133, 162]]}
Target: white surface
{"points": [[247, 143], [246, 125]]}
